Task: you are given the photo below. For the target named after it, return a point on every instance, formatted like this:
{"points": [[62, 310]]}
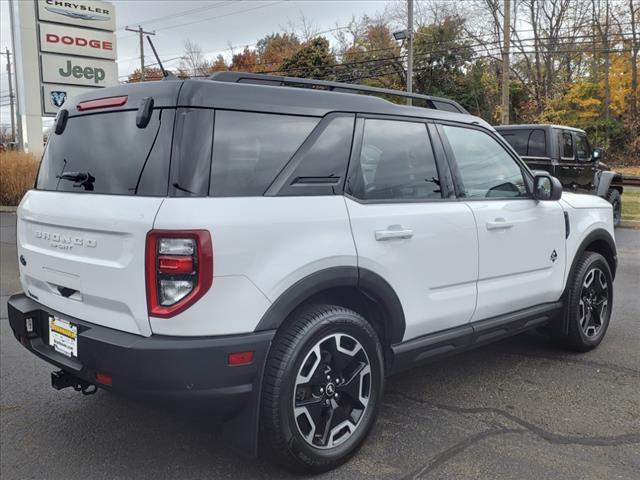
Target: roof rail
{"points": [[437, 103]]}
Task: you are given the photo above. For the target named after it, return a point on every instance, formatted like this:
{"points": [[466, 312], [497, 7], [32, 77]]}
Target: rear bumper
{"points": [[173, 368]]}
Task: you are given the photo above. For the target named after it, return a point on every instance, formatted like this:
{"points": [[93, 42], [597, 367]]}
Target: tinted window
{"points": [[517, 139], [486, 168], [396, 162], [537, 145], [250, 149], [320, 165], [191, 161], [526, 142], [582, 148], [106, 153], [567, 145]]}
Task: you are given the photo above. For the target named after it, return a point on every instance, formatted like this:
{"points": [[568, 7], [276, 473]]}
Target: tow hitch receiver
{"points": [[62, 379]]}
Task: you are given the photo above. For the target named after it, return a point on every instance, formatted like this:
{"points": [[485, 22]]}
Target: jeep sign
{"points": [[83, 13], [78, 71], [77, 41]]}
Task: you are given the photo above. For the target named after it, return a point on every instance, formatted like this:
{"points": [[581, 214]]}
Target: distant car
{"points": [[566, 154]]}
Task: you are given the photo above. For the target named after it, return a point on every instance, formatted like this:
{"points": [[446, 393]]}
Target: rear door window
{"points": [[250, 149], [107, 153], [396, 163]]}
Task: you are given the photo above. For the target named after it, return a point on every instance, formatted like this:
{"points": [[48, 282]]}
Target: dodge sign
{"points": [[77, 41]]}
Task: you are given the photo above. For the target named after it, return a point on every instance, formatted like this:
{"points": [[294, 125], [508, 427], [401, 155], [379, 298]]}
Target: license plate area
{"points": [[63, 336]]}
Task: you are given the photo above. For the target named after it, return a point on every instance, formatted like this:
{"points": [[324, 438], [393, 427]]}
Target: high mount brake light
{"points": [[102, 103], [179, 269]]}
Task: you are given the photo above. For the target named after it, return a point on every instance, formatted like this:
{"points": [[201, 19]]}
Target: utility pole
{"points": [[506, 31], [11, 96], [142, 33], [410, 50]]}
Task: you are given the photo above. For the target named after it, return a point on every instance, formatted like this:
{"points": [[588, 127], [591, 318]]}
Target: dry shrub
{"points": [[17, 174]]}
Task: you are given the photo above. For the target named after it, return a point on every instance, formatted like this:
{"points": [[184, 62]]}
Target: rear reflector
{"points": [[175, 264], [102, 103], [104, 378], [240, 358]]}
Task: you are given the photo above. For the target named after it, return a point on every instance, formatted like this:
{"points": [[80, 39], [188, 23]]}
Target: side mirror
{"points": [[596, 154], [546, 187]]}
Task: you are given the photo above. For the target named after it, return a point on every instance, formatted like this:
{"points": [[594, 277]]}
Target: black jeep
{"points": [[565, 152]]}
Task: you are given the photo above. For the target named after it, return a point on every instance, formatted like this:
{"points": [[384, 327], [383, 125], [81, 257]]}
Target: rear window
{"points": [[250, 149], [107, 153], [527, 142]]}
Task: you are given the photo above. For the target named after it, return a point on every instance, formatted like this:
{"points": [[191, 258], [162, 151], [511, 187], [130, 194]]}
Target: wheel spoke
{"points": [[352, 387], [332, 390], [309, 366]]}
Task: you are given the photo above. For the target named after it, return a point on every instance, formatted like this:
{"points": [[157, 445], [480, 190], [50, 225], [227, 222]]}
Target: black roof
{"points": [[231, 95]]}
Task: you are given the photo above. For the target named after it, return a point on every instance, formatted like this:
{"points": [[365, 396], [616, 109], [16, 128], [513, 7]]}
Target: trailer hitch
{"points": [[62, 379]]}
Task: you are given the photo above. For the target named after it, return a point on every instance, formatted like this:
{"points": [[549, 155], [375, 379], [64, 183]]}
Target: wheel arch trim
{"points": [[368, 282]]}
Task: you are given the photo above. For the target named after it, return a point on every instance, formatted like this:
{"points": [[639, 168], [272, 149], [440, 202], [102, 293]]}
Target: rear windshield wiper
{"points": [[81, 179]]}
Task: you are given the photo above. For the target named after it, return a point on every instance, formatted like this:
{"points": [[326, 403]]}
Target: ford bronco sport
{"points": [[566, 153], [276, 247]]}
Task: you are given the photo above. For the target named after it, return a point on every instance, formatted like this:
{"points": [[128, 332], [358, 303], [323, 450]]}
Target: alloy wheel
{"points": [[594, 302], [332, 391]]}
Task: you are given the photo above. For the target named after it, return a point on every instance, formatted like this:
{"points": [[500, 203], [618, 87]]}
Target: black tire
{"points": [[585, 311], [291, 355], [614, 198]]}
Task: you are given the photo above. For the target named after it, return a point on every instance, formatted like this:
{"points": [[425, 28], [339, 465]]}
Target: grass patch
{"points": [[17, 174], [631, 204]]}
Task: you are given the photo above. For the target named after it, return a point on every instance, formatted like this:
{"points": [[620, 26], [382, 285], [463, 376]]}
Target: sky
{"points": [[214, 25]]}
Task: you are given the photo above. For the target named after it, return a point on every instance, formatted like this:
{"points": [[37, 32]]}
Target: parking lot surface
{"points": [[519, 409]]}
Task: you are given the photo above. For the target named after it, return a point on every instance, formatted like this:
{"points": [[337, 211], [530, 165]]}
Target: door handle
{"points": [[499, 224], [382, 235]]}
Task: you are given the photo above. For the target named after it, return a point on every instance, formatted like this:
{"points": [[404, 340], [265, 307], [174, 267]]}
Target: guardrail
{"points": [[631, 181]]}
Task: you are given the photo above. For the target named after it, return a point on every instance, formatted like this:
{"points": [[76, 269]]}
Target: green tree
{"points": [[441, 54], [313, 60]]}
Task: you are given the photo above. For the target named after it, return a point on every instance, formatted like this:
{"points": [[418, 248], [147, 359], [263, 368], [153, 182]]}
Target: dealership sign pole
{"points": [[62, 49]]}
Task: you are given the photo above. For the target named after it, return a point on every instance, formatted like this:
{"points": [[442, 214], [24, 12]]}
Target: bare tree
{"points": [[193, 61], [302, 27]]}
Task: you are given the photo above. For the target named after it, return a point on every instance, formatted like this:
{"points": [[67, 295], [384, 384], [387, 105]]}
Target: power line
{"points": [[178, 14], [224, 15]]}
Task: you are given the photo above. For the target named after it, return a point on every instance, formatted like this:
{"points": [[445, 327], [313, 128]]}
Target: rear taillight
{"points": [[179, 266]]}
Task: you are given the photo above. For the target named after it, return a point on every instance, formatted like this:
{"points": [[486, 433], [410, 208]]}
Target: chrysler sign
{"points": [[77, 41], [84, 13]]}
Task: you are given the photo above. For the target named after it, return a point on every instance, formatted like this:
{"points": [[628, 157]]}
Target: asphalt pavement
{"points": [[518, 409]]}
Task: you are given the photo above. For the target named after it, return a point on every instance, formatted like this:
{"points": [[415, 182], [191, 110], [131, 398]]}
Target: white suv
{"points": [[277, 251]]}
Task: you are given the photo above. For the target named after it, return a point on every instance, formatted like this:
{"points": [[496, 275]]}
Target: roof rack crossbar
{"points": [[237, 77]]}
